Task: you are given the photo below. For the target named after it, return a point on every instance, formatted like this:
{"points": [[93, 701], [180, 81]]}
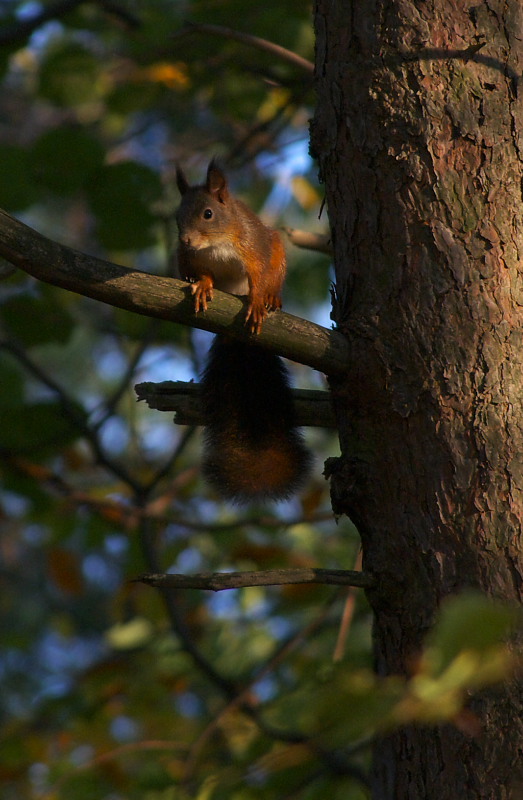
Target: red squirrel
{"points": [[252, 448]]}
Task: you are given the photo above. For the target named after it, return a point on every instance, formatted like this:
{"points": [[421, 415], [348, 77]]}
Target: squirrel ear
{"points": [[181, 181], [217, 182]]}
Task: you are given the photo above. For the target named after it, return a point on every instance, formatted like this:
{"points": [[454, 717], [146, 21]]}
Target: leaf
{"points": [[69, 75], [17, 189], [138, 327], [305, 193], [128, 98], [468, 622], [36, 427], [121, 197], [12, 383], [343, 707], [84, 786], [465, 652], [129, 635], [64, 158], [37, 320]]}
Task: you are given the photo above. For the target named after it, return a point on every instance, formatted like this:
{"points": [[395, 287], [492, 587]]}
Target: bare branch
{"points": [[320, 242], [166, 298], [313, 408], [254, 41], [218, 581], [348, 613]]}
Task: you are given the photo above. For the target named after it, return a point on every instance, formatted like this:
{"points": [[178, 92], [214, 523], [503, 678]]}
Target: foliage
{"points": [[110, 689]]}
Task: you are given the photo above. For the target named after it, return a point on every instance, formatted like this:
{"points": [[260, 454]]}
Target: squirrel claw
{"points": [[272, 302], [257, 310], [256, 313], [203, 293]]}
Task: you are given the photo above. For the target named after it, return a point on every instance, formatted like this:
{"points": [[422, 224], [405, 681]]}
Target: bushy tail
{"points": [[252, 448]]}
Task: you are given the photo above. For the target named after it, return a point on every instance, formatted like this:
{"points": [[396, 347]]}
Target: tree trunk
{"points": [[419, 137]]}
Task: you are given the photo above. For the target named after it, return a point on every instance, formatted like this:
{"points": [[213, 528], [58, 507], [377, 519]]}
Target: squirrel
{"points": [[252, 448]]}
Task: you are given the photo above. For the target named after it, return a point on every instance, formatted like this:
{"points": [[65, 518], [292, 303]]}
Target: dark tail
{"points": [[252, 448]]}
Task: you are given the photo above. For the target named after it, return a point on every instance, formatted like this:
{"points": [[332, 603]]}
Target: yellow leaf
{"points": [[305, 193], [173, 76], [128, 635]]}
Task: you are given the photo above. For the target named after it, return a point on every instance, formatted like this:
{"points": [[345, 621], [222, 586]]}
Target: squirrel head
{"points": [[204, 216]]}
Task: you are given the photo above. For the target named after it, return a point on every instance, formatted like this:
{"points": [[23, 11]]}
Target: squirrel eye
{"points": [[207, 214]]}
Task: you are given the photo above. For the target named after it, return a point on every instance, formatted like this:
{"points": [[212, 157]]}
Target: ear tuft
{"points": [[216, 183], [181, 181]]}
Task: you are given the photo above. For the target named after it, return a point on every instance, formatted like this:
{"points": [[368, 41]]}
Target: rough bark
{"points": [[419, 138]]}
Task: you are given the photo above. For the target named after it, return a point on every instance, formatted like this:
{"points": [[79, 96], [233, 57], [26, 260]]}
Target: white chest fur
{"points": [[229, 270]]}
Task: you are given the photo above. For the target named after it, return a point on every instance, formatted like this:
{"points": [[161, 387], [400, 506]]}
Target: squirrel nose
{"points": [[186, 239]]}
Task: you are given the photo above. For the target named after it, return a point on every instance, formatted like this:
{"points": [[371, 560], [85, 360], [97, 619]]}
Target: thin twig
{"points": [[247, 38], [218, 581], [168, 467], [127, 377], [348, 613], [121, 13]]}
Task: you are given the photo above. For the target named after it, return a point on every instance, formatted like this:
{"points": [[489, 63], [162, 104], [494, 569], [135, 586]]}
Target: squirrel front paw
{"points": [[203, 293], [273, 302], [258, 309], [256, 313]]}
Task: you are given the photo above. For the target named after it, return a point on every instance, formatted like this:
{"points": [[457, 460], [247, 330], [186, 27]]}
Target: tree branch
{"points": [[254, 41], [313, 408], [166, 298], [218, 581], [320, 242]]}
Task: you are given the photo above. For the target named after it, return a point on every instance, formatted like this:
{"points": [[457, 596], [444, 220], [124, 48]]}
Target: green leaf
{"points": [[131, 97], [69, 75], [470, 621], [36, 320], [36, 427], [84, 786], [17, 189], [63, 159], [342, 708], [12, 382], [121, 197], [138, 327]]}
